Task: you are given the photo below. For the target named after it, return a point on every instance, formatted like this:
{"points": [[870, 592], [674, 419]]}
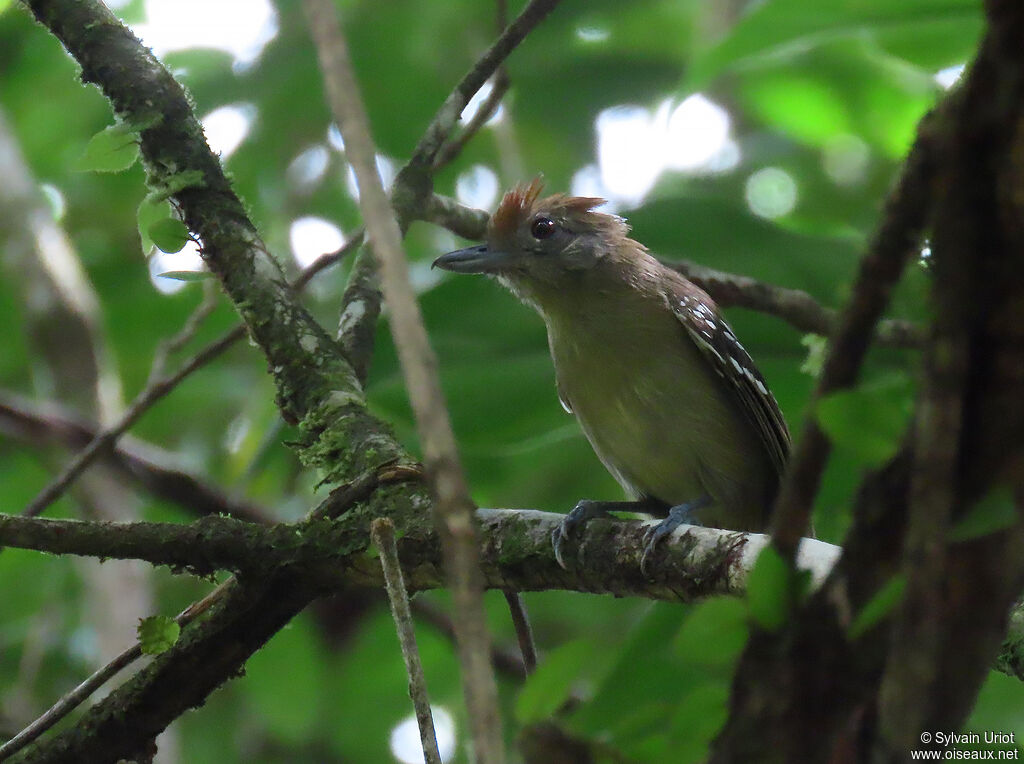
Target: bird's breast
{"points": [[656, 415]]}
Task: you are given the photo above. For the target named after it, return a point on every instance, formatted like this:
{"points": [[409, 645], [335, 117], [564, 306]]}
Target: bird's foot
{"points": [[680, 514], [585, 511]]}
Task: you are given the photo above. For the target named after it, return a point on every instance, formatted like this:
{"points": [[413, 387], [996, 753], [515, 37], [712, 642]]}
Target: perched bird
{"points": [[668, 398]]}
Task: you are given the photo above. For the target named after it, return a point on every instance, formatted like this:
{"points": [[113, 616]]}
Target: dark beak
{"points": [[478, 259]]}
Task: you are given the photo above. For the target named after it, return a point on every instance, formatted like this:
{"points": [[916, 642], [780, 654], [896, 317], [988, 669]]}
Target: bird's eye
{"points": [[542, 228]]}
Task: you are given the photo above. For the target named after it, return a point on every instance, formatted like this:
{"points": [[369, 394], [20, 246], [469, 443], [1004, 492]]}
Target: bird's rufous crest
{"points": [[523, 201]]}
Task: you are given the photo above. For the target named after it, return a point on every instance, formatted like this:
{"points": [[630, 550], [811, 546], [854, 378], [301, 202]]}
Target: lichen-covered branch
{"points": [[316, 386], [516, 552]]}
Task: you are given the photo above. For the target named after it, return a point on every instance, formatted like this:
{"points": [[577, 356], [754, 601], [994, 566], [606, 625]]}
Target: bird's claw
{"points": [[583, 511], [677, 515], [652, 536], [558, 537]]}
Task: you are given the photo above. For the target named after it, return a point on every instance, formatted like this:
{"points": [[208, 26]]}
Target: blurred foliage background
{"points": [[757, 138]]}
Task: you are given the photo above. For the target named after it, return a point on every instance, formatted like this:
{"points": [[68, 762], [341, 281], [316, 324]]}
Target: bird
{"points": [[670, 401]]}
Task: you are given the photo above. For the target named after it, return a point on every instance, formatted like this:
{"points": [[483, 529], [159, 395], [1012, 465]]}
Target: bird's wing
{"points": [[730, 360]]}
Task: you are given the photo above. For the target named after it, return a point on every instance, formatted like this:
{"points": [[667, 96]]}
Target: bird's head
{"points": [[538, 244]]}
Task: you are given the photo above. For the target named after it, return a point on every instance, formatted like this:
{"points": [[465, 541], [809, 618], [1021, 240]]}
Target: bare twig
{"points": [[524, 634], [794, 306], [152, 467], [505, 660], [451, 150], [154, 391], [362, 298], [73, 699], [895, 242], [441, 126], [499, 86], [453, 507], [160, 385], [323, 262], [382, 532]]}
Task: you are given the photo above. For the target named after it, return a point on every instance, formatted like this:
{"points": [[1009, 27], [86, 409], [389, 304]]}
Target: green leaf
{"points": [[815, 359], [714, 633], [869, 421], [186, 275], [549, 686], [113, 149], [169, 235], [770, 589], [157, 634], [995, 512], [783, 25], [879, 606], [643, 682], [153, 208], [696, 720], [998, 706]]}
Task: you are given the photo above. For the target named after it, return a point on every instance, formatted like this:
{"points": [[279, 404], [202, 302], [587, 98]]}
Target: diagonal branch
{"points": [[453, 507], [160, 385], [444, 121], [897, 239], [316, 386], [145, 463]]}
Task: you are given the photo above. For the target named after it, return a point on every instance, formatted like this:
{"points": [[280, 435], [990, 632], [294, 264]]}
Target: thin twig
{"points": [[382, 532], [362, 298], [499, 86], [524, 634], [323, 262], [159, 386], [441, 126], [794, 306], [451, 150], [897, 239], [73, 699], [505, 660], [188, 330], [154, 391], [452, 507], [333, 505], [153, 468]]}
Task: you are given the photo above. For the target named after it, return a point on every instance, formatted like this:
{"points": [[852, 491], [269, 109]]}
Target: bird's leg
{"points": [[678, 515], [586, 510]]}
